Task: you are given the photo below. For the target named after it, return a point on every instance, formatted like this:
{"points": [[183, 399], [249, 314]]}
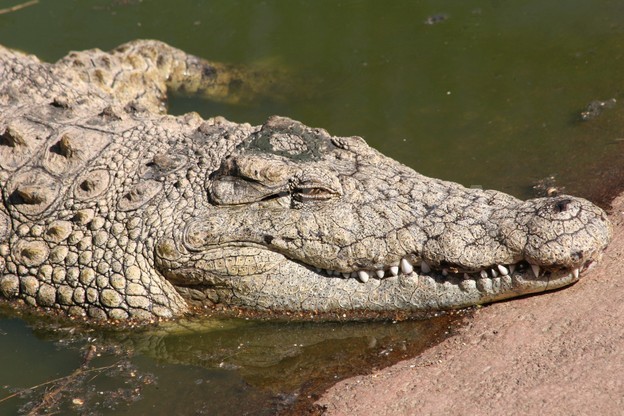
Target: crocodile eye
{"points": [[312, 193]]}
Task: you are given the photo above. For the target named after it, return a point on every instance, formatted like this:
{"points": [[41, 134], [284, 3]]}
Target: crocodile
{"points": [[114, 210]]}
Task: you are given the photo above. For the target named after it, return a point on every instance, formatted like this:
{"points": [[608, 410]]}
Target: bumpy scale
{"points": [[114, 209]]}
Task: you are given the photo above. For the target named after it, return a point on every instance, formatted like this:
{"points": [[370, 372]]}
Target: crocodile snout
{"points": [[564, 232]]}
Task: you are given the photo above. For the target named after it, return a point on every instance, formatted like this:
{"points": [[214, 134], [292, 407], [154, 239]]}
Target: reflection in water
{"points": [[215, 366]]}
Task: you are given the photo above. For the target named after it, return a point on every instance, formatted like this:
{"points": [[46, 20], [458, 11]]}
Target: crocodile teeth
{"points": [[406, 267], [576, 273], [536, 269]]}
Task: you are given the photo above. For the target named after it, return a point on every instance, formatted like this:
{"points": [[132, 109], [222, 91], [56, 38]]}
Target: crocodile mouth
{"points": [[249, 275], [231, 257], [238, 259], [405, 268]]}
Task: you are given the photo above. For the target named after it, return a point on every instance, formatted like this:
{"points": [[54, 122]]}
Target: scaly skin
{"points": [[114, 209]]}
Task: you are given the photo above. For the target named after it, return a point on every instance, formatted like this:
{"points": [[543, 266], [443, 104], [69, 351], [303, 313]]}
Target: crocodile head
{"points": [[112, 209], [303, 221]]}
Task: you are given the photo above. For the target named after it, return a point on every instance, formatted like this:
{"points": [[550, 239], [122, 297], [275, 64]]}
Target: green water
{"points": [[215, 366], [489, 96]]}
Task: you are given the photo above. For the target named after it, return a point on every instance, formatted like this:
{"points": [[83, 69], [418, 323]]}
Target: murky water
{"points": [[208, 366], [490, 94]]}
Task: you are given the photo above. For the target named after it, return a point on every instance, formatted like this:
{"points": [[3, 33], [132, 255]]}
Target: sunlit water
{"points": [[490, 95]]}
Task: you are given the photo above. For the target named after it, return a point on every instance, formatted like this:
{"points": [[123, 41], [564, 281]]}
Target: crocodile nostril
{"points": [[562, 205], [576, 256]]}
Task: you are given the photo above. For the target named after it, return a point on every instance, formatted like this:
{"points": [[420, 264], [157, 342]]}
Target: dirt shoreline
{"points": [[560, 353]]}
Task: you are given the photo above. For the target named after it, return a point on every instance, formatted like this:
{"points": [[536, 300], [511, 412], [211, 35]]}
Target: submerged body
{"points": [[114, 209]]}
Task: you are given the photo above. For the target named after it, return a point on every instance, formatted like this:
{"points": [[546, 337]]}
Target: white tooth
{"points": [[346, 275], [363, 275], [466, 277], [406, 267], [444, 272], [494, 273], [535, 269], [512, 268], [380, 273], [502, 269], [318, 270], [424, 267], [394, 270], [483, 274], [575, 273]]}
